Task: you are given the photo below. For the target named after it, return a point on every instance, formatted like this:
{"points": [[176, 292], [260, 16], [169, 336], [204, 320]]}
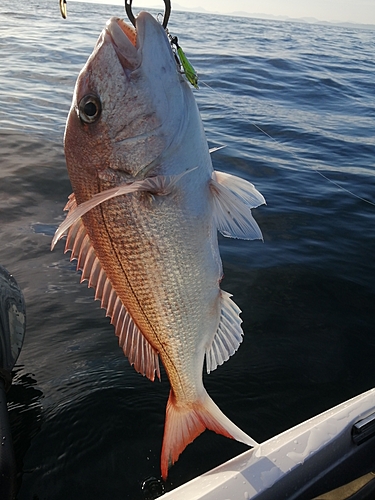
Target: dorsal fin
{"points": [[137, 349], [228, 336]]}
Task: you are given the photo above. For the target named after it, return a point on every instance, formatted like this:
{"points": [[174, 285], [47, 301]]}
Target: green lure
{"points": [[188, 69]]}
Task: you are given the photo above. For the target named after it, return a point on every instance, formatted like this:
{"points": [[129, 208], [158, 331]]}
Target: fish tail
{"points": [[183, 423]]}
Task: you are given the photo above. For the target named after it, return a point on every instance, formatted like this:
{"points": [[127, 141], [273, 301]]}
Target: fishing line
{"points": [[285, 148]]}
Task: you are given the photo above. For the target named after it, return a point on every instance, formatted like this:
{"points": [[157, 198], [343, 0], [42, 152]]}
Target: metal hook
{"points": [[63, 9], [167, 12]]}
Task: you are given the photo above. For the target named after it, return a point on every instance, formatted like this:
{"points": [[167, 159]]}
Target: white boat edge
{"points": [[298, 463]]}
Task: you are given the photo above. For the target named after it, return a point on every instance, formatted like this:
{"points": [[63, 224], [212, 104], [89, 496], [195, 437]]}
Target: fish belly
{"points": [[162, 259]]}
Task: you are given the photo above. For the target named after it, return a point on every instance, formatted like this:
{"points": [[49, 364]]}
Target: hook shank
{"points": [[167, 12]]}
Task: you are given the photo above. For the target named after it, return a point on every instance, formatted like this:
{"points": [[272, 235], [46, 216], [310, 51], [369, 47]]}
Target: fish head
{"points": [[127, 105]]}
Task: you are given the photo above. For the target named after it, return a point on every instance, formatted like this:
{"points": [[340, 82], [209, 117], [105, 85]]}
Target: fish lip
{"points": [[127, 53]]}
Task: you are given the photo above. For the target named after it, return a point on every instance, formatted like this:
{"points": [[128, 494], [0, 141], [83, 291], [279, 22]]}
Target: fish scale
{"points": [[170, 312]]}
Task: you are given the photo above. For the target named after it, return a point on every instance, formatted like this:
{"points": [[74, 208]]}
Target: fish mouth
{"points": [[147, 42], [124, 39]]}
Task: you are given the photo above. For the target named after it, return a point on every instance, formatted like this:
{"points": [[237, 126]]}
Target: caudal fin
{"points": [[183, 423]]}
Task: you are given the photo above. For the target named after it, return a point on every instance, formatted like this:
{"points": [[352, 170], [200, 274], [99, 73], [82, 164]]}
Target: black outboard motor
{"points": [[12, 332]]}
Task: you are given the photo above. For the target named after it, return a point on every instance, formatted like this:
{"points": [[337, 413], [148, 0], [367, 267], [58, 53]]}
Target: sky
{"points": [[354, 11]]}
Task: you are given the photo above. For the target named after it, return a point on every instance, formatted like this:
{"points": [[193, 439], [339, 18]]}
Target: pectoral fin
{"points": [[233, 199], [78, 211], [158, 185], [217, 148]]}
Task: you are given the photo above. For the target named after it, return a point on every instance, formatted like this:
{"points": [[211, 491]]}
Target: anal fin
{"points": [[228, 336]]}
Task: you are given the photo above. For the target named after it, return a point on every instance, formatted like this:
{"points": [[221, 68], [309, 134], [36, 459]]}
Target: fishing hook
{"points": [[167, 12], [63, 9]]}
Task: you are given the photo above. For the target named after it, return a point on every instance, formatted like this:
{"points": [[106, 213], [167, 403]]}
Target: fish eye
{"points": [[89, 108]]}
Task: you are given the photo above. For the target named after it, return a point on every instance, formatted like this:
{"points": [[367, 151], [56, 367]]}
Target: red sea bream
{"points": [[143, 221]]}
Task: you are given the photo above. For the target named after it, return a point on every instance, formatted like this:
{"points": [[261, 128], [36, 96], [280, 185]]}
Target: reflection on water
{"points": [[25, 414], [85, 425]]}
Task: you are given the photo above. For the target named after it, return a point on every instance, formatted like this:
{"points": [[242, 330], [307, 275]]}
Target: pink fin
{"points": [[159, 185], [135, 346], [183, 423]]}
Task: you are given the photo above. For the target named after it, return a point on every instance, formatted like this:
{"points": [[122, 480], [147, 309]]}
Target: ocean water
{"points": [[294, 105]]}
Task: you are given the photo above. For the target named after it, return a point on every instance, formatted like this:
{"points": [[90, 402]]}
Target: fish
{"points": [[143, 221]]}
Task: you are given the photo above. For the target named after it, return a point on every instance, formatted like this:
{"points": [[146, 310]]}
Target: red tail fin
{"points": [[183, 423]]}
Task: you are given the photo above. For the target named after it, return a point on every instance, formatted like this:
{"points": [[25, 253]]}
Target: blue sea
{"points": [[294, 105]]}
